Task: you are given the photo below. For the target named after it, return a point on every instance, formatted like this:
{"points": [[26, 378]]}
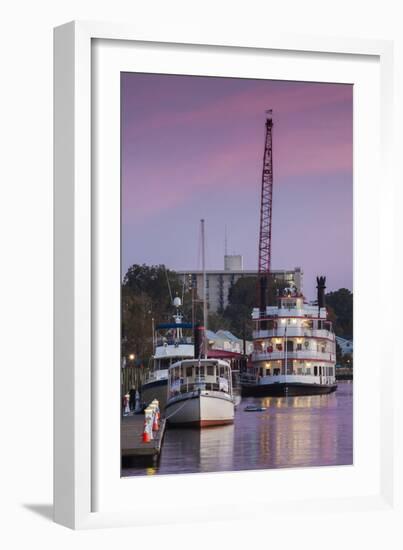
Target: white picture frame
{"points": [[79, 290]]}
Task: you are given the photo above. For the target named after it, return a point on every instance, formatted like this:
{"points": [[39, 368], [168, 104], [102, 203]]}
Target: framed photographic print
{"points": [[219, 238], [234, 334]]}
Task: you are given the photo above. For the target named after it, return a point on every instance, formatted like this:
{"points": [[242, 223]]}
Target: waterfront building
{"points": [[224, 340], [220, 281], [345, 344]]}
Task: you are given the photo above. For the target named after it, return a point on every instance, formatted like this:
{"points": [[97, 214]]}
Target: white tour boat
{"points": [[294, 348], [200, 393], [172, 342], [200, 390]]}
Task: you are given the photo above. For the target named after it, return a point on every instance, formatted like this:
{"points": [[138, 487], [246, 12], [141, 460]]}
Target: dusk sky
{"points": [[192, 148]]}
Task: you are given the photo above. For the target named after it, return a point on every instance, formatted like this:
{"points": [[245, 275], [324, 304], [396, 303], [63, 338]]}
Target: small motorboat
{"points": [[254, 408]]}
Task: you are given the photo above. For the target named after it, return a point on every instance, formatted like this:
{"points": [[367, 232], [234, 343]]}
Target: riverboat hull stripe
{"points": [[287, 389]]}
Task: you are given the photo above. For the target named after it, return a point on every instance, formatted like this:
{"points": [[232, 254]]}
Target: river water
{"points": [[292, 432]]}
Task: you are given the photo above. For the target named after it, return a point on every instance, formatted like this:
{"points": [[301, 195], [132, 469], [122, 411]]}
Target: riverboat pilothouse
{"points": [[294, 347]]}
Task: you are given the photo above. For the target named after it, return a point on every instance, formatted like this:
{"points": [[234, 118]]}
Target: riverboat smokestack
{"points": [[263, 294], [321, 287], [199, 332]]}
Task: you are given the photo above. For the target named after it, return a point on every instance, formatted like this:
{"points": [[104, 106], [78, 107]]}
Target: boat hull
{"points": [[200, 410], [157, 389], [282, 389]]}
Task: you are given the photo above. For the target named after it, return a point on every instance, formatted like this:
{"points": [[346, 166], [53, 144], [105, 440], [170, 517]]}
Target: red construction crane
{"points": [[266, 202]]}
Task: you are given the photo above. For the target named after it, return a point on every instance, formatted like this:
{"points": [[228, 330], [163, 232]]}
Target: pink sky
{"points": [[192, 148]]}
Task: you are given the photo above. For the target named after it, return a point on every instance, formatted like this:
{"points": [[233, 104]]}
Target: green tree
{"points": [[218, 322], [154, 281], [241, 301], [146, 295], [136, 324], [340, 306], [242, 298]]}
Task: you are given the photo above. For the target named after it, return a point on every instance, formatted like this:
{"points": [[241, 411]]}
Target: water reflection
{"points": [[292, 432]]}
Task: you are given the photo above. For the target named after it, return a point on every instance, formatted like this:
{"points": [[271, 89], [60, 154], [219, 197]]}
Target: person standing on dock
{"points": [[132, 399]]}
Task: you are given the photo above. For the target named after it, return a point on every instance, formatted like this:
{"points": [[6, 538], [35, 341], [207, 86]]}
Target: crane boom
{"points": [[266, 202]]}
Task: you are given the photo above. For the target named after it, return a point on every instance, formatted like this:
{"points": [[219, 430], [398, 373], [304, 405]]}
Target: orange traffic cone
{"points": [[146, 435]]}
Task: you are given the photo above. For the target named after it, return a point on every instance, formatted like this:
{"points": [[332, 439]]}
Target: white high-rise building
{"points": [[233, 262], [219, 282]]}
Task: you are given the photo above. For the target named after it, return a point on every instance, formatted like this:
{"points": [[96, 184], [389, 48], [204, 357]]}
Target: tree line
{"points": [[147, 293]]}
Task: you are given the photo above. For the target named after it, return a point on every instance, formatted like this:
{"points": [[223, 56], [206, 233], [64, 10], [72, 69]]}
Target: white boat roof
{"points": [[171, 350], [207, 361]]}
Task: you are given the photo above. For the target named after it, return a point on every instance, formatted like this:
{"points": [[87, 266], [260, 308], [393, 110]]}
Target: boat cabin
{"points": [[204, 375]]}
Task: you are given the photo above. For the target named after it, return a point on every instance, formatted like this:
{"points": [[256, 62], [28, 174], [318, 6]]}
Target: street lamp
{"points": [[132, 357]]}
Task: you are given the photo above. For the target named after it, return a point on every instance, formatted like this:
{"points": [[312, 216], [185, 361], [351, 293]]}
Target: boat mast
{"points": [[204, 275]]}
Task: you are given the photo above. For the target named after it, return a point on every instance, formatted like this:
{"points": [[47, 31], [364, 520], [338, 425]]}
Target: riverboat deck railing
{"points": [[295, 332], [173, 341], [313, 355], [200, 383]]}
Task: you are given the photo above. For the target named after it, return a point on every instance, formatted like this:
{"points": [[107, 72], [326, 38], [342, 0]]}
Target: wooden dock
{"points": [[131, 434]]}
